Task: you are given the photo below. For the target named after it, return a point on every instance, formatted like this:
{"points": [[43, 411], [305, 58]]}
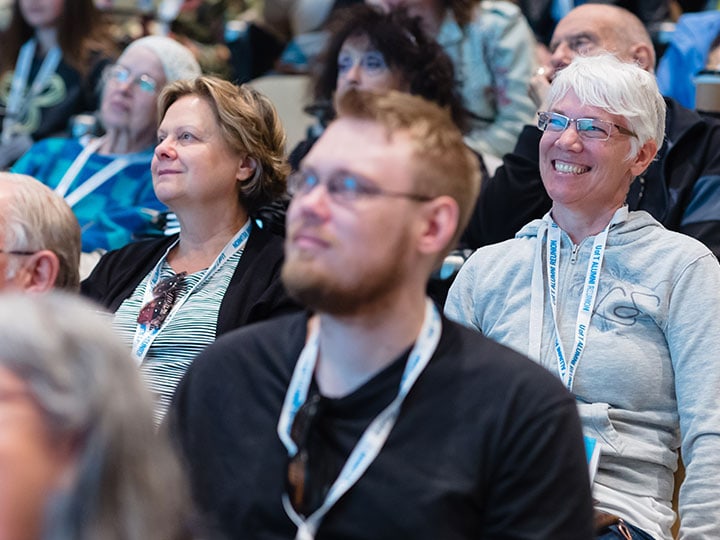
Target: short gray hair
{"points": [[127, 482], [38, 219], [620, 88]]}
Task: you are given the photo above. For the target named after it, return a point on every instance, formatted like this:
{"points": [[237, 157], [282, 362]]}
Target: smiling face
{"points": [[589, 176], [343, 256], [193, 164], [125, 105], [42, 13]]}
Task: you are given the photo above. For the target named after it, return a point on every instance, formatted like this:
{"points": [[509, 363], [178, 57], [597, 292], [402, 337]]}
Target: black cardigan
{"points": [[254, 293]]}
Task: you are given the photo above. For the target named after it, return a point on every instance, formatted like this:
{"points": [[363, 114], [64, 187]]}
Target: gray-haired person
{"points": [[39, 237], [79, 456]]}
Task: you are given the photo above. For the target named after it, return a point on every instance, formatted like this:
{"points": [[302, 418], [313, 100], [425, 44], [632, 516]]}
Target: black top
{"points": [[487, 444], [255, 291]]}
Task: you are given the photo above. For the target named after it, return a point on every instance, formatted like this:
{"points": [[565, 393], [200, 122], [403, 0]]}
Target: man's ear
{"points": [[439, 225], [643, 55], [39, 272]]}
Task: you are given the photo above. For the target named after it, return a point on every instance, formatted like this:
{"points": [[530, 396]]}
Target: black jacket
{"points": [[255, 291]]}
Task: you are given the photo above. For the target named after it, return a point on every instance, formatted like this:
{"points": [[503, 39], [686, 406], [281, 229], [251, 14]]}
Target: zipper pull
{"points": [[575, 249]]}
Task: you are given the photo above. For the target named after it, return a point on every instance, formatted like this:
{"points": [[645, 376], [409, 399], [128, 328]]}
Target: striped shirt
{"points": [[183, 336]]}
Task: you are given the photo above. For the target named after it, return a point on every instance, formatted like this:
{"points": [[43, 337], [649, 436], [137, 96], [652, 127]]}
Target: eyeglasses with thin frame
{"points": [[345, 187], [154, 313], [121, 74], [587, 128]]}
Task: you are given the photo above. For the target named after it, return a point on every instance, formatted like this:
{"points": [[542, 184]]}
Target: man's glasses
{"points": [[343, 186], [121, 74], [154, 313], [17, 252], [298, 471], [587, 128]]}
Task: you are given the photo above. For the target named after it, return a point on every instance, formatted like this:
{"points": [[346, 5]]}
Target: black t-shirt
{"points": [[487, 444]]}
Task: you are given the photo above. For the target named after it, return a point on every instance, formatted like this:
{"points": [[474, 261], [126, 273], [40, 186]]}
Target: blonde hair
{"points": [[443, 164], [250, 125]]}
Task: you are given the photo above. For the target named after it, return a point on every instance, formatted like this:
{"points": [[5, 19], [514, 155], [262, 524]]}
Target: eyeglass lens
{"points": [[122, 74]]}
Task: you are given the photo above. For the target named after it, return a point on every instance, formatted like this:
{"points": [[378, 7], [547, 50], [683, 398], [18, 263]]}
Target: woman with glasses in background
{"points": [[368, 49], [218, 160], [51, 57], [624, 311], [106, 180]]}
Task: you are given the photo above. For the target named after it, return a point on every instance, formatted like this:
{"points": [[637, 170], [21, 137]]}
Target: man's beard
{"points": [[324, 292]]}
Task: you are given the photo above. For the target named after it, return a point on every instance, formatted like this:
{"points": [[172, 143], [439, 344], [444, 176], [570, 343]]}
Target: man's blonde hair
{"points": [[443, 164]]}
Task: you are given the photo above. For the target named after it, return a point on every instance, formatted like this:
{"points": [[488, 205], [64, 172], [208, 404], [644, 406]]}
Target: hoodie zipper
{"points": [[575, 249]]}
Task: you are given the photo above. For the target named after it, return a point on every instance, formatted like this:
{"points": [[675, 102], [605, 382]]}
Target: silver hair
{"points": [[37, 219], [126, 483], [620, 88]]}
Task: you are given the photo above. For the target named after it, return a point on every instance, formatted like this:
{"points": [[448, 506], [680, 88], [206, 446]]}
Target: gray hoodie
{"points": [[648, 380]]}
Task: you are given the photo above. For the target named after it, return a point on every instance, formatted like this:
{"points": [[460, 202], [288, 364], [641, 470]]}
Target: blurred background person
{"points": [[493, 49], [79, 457], [368, 49], [219, 158], [543, 16], [107, 180], [690, 51], [39, 237], [51, 60]]}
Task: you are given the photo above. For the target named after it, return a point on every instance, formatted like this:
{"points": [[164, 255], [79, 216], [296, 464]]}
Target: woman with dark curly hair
{"points": [[371, 50], [493, 50], [218, 160]]}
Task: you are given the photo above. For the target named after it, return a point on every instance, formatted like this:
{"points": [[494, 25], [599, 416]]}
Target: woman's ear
{"points": [[643, 158], [246, 168]]}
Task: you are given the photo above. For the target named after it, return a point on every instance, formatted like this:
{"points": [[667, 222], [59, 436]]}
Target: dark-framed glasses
{"points": [[587, 128], [121, 74], [154, 313], [17, 252], [298, 470], [345, 186]]}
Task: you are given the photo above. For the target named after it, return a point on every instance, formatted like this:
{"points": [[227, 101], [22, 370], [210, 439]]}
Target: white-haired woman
{"points": [[623, 310], [107, 180]]}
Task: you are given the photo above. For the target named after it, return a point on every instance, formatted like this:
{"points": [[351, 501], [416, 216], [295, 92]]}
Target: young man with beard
{"points": [[374, 417]]}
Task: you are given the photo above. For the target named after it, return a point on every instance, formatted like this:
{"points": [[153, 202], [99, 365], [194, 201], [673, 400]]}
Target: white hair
{"points": [[620, 88]]}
